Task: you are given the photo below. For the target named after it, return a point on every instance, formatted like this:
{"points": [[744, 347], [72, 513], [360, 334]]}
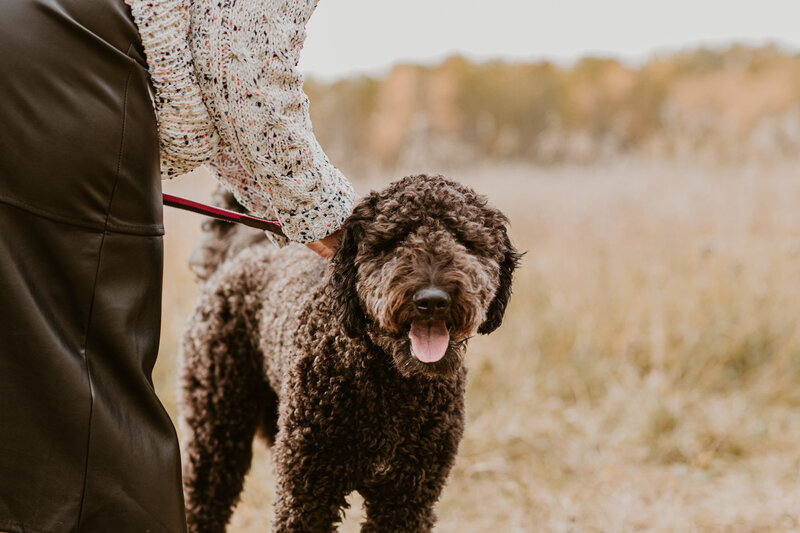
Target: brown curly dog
{"points": [[351, 370]]}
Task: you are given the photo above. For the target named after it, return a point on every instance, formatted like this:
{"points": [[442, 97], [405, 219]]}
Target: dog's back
{"points": [[258, 287], [221, 240], [263, 286]]}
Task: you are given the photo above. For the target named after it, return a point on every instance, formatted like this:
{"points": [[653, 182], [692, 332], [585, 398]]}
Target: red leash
{"points": [[223, 214]]}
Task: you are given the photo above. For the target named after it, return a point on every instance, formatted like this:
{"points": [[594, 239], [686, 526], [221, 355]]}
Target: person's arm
{"points": [[230, 173], [186, 133], [232, 176], [246, 62]]}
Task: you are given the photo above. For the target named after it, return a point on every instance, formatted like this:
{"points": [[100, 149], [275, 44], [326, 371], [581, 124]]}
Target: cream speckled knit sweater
{"points": [[228, 93]]}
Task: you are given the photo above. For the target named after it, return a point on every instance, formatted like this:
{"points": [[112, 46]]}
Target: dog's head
{"points": [[422, 266]]}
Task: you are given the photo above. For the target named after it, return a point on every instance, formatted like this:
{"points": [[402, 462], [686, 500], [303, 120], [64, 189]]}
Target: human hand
{"points": [[327, 246]]}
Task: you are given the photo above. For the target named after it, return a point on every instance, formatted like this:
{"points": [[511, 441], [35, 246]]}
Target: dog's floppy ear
{"points": [[345, 272], [511, 258]]}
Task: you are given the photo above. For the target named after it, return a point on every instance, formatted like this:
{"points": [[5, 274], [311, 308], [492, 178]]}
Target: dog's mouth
{"points": [[429, 340]]}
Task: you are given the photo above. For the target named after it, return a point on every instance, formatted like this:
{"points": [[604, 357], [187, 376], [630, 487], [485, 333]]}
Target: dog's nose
{"points": [[431, 300]]}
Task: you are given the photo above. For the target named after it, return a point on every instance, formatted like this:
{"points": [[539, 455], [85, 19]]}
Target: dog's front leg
{"points": [[402, 499], [310, 492], [403, 506], [313, 460]]}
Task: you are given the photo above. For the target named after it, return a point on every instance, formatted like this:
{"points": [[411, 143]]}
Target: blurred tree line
{"points": [[718, 105]]}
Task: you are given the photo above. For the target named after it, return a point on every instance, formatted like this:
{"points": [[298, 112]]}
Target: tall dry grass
{"points": [[645, 378]]}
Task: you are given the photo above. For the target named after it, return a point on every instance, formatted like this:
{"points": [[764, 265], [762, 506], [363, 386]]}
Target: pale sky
{"points": [[368, 36]]}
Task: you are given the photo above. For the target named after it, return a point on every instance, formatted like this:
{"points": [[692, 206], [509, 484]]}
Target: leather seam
{"points": [[94, 295], [48, 214], [19, 527], [153, 230]]}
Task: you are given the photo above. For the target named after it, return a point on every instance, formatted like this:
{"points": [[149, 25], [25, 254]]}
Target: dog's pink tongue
{"points": [[429, 340]]}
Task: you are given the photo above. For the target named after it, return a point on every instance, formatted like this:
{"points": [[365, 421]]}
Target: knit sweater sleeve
{"points": [[186, 133], [245, 56], [232, 175]]}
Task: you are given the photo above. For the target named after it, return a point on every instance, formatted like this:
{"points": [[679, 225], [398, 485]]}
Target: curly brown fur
{"points": [[220, 239], [317, 359]]}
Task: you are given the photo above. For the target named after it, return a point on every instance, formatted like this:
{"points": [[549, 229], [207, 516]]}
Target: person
{"points": [[98, 101]]}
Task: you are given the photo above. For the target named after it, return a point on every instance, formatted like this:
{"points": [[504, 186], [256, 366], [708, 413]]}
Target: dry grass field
{"points": [[646, 377]]}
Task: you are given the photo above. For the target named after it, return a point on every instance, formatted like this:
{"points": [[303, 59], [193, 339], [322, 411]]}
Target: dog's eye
{"points": [[465, 241], [385, 246], [389, 244]]}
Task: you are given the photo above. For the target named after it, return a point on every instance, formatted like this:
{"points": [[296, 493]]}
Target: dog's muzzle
{"points": [[429, 334]]}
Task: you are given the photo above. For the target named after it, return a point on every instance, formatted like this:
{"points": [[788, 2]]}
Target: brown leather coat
{"points": [[85, 444]]}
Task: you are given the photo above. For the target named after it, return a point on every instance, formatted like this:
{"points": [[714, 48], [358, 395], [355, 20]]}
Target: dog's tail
{"points": [[221, 240]]}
